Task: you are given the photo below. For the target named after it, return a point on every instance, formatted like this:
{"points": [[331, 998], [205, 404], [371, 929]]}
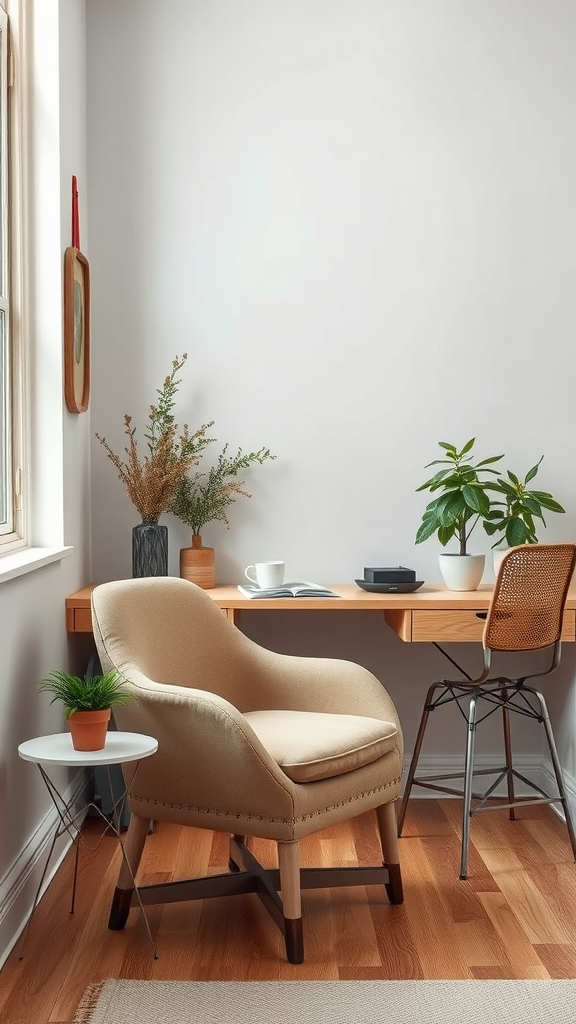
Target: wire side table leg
{"points": [[38, 891], [117, 809], [64, 824]]}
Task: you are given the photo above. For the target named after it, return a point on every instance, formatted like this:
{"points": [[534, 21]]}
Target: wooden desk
{"points": [[432, 613]]}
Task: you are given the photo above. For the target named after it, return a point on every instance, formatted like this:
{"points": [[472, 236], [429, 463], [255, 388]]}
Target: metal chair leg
{"points": [[468, 779], [428, 707], [557, 770], [508, 755]]}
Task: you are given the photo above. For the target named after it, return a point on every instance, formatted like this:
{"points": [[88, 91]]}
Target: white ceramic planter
{"points": [[497, 556], [462, 572]]}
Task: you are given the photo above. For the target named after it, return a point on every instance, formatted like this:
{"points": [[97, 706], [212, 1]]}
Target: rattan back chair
{"points": [[526, 614]]}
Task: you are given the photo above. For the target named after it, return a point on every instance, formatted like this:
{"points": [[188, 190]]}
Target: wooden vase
{"points": [[197, 564], [88, 729]]}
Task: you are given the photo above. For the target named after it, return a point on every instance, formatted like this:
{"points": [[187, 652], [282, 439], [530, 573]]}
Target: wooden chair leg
{"points": [[132, 848], [388, 829], [289, 865]]}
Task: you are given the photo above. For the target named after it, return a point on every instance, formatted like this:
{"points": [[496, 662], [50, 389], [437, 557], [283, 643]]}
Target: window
{"points": [[12, 521]]}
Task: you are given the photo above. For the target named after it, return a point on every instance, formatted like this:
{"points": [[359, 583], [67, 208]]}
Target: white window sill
{"points": [[20, 562]]}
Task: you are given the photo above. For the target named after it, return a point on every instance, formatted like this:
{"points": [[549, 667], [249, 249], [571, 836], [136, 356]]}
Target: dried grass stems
{"points": [[151, 480]]}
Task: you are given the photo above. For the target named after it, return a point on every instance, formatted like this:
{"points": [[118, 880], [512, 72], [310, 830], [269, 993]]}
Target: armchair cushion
{"points": [[312, 745]]}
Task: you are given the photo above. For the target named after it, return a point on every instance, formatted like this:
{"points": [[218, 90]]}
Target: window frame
{"points": [[14, 533]]}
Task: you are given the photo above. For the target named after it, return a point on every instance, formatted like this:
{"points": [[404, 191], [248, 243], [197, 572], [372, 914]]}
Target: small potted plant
{"points": [[461, 500], [203, 498], [88, 703], [513, 517]]}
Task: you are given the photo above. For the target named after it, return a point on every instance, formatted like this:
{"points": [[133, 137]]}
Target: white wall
{"points": [[357, 218]]}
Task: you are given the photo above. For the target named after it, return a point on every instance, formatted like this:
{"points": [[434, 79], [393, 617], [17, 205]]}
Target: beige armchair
{"points": [[251, 742]]}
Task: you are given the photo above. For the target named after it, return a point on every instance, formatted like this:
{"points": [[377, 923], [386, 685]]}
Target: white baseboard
{"points": [[537, 769], [549, 785], [530, 765]]}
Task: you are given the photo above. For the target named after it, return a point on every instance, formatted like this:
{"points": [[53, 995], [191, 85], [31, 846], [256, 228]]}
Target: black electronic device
{"points": [[390, 588], [389, 574]]}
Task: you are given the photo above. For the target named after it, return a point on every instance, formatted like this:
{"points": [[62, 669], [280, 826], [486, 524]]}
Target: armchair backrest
{"points": [[170, 631]]}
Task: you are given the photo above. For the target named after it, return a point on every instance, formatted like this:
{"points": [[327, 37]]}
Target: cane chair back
{"points": [[529, 596]]}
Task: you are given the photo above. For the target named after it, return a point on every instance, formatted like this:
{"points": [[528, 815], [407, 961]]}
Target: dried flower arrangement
{"points": [[158, 482], [151, 480]]}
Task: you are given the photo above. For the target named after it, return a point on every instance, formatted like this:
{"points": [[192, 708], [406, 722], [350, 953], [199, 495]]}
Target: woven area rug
{"points": [[329, 1002]]}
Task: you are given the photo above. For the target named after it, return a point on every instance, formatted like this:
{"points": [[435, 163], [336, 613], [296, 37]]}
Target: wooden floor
{"points": [[514, 918]]}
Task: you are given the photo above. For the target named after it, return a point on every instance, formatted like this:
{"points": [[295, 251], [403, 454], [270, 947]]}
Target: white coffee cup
{"points": [[265, 574]]}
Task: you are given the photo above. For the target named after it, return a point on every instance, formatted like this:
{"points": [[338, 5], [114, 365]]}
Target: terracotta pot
{"points": [[197, 564], [88, 729]]}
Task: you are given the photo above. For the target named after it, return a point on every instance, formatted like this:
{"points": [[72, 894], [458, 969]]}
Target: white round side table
{"points": [[57, 749]]}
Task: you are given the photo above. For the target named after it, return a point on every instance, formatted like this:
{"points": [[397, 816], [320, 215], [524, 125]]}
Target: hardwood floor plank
{"points": [[559, 961], [430, 922], [396, 944], [530, 907], [522, 955]]}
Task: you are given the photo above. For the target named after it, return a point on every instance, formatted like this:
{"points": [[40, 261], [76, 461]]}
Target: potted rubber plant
{"points": [[461, 500], [517, 512], [88, 703]]}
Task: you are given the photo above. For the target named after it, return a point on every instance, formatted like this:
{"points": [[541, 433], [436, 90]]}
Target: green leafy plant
{"points": [[463, 499], [88, 693], [151, 479], [205, 497], [514, 516]]}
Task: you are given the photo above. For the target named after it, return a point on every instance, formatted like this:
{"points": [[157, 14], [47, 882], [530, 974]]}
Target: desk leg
{"points": [[451, 660]]}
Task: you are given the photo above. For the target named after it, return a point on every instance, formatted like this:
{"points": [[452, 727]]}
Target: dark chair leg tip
{"points": [[294, 940], [120, 909], [394, 888]]}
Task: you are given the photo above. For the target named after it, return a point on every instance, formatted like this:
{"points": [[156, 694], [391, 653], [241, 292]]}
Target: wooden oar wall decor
{"points": [[76, 318]]}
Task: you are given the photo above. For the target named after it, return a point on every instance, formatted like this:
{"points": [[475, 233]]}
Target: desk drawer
{"points": [[79, 620], [463, 625]]}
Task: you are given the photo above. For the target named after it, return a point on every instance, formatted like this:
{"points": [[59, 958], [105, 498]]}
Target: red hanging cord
{"points": [[75, 219]]}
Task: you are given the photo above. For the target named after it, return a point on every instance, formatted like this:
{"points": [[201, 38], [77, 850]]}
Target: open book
{"points": [[301, 589]]}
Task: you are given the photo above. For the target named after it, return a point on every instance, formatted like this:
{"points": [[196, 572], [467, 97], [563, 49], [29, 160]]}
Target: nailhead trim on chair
{"points": [[258, 817]]}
